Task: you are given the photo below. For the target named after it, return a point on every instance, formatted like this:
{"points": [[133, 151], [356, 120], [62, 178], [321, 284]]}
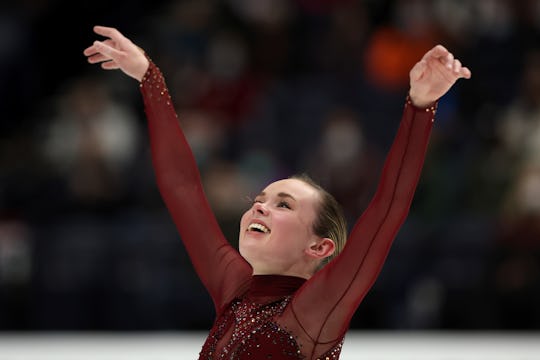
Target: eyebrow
{"points": [[281, 195]]}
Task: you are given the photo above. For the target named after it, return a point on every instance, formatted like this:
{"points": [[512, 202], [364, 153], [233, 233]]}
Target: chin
{"points": [[249, 253]]}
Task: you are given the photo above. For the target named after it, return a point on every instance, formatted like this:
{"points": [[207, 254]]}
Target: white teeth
{"points": [[259, 227]]}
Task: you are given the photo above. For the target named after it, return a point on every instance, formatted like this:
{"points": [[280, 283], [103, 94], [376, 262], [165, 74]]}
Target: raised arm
{"points": [[333, 294], [220, 267]]}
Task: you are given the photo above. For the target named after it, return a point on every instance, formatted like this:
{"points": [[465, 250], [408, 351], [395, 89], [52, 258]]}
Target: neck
{"points": [[300, 269], [274, 285], [279, 273]]}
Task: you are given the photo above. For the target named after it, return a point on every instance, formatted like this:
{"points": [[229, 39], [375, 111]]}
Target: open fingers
{"points": [[106, 50], [91, 50], [110, 65], [108, 32], [97, 58]]}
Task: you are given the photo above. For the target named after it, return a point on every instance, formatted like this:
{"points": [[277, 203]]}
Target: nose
{"points": [[260, 208]]}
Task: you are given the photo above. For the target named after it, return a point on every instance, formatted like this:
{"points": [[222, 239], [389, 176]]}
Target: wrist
{"points": [[145, 69], [144, 65], [430, 107], [419, 102]]}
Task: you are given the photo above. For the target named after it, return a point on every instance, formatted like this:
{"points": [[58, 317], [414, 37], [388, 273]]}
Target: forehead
{"points": [[298, 189]]}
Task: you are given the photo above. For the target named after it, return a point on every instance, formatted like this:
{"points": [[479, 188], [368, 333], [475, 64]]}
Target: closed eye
{"points": [[284, 204]]}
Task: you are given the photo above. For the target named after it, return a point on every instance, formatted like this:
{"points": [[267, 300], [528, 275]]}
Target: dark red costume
{"points": [[275, 316]]}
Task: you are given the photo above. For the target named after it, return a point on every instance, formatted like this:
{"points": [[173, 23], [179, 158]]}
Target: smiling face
{"points": [[276, 233]]}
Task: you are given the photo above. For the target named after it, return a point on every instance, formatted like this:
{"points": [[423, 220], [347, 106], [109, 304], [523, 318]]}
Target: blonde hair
{"points": [[330, 221]]}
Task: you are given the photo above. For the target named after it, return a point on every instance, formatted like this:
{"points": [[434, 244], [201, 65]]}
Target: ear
{"points": [[321, 248]]}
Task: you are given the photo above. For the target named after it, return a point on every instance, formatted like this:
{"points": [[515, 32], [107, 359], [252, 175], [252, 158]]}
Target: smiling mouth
{"points": [[258, 228]]}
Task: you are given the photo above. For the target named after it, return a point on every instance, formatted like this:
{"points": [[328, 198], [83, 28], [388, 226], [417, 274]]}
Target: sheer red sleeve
{"points": [[220, 267], [337, 290]]}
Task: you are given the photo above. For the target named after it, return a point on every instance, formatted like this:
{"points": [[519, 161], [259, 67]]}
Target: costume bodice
{"points": [[249, 328]]}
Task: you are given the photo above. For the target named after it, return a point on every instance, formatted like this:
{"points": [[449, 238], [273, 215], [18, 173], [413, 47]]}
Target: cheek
{"points": [[243, 220], [302, 224], [293, 227]]}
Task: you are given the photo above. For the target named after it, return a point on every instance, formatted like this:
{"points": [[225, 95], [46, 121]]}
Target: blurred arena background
{"points": [[265, 88]]}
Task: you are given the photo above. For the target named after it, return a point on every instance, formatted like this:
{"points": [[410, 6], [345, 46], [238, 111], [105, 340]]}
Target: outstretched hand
{"points": [[117, 52], [434, 75]]}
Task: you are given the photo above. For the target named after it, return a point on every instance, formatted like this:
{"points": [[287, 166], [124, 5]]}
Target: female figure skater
{"points": [[274, 299]]}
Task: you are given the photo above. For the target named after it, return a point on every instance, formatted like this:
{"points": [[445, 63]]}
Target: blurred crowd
{"points": [[265, 89]]}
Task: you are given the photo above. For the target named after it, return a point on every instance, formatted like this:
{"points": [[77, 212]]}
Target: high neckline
{"points": [[274, 285]]}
